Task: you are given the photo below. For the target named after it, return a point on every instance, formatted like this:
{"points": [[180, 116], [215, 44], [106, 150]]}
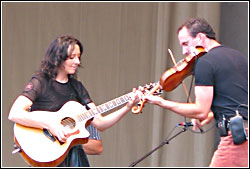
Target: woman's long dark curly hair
{"points": [[57, 53]]}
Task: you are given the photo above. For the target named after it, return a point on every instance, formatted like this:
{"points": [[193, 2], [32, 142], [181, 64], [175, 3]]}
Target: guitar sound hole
{"points": [[68, 123]]}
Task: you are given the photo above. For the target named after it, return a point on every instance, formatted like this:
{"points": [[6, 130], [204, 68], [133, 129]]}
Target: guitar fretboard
{"points": [[103, 108]]}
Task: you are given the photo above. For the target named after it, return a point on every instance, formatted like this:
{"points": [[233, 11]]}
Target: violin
{"points": [[184, 68], [172, 78]]}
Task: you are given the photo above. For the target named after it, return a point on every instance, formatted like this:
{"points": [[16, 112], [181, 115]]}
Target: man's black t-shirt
{"points": [[226, 70]]}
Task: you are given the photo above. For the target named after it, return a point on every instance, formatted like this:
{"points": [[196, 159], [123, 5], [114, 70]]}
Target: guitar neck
{"points": [[103, 108]]}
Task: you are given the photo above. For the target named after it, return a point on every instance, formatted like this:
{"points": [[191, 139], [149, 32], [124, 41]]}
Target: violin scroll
{"points": [[148, 89]]}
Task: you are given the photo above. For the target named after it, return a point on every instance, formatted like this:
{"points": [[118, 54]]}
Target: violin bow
{"points": [[184, 86]]}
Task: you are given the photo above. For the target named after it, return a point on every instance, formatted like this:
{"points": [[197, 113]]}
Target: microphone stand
{"points": [[166, 141]]}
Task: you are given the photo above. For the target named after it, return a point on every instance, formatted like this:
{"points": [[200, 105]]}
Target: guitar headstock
{"points": [[148, 89], [151, 88]]}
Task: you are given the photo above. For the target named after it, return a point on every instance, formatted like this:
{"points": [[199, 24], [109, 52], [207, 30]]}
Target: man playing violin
{"points": [[221, 85]]}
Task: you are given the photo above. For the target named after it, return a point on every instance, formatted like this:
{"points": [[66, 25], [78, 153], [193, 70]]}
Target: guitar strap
{"points": [[78, 96]]}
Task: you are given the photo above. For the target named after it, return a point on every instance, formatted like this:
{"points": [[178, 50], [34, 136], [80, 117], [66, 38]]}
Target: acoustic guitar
{"points": [[40, 148]]}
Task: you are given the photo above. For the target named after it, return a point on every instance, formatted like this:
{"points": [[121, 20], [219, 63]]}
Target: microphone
{"points": [[187, 124]]}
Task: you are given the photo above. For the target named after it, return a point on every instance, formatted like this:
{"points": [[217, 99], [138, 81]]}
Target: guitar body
{"points": [[38, 148]]}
